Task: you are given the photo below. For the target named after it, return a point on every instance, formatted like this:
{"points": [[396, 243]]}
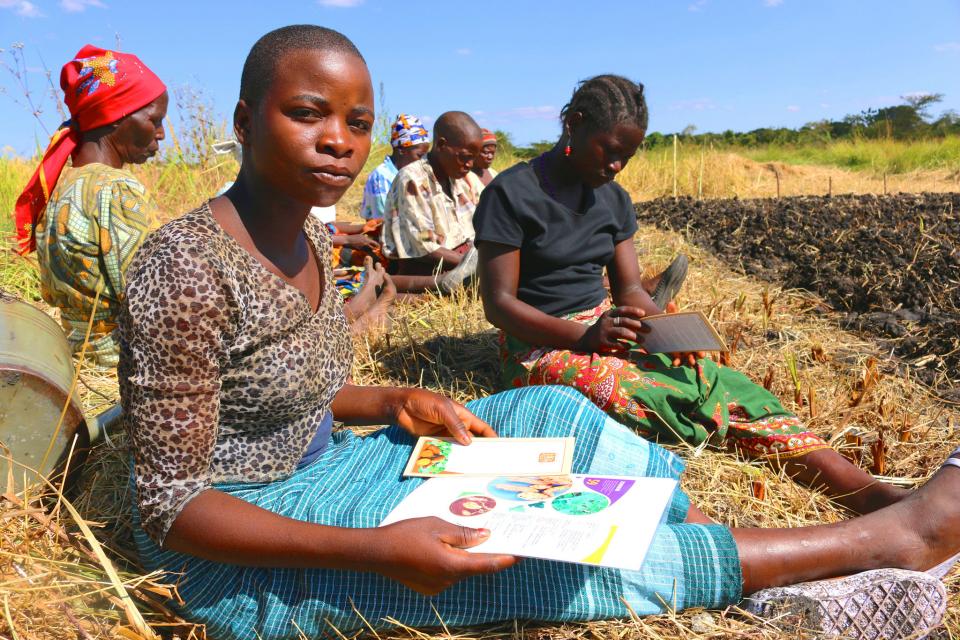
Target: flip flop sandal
{"points": [[884, 603], [670, 281]]}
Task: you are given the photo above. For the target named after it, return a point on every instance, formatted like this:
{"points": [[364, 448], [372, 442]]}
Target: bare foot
{"points": [[361, 302], [389, 292], [650, 284], [932, 512], [377, 318]]}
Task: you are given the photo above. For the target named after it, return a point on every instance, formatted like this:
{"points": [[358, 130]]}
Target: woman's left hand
{"points": [[689, 358], [424, 413]]}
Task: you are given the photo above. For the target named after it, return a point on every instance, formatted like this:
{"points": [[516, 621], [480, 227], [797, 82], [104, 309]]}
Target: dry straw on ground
{"points": [[52, 584]]}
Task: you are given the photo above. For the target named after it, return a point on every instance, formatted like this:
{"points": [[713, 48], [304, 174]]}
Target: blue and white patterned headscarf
{"points": [[408, 131]]}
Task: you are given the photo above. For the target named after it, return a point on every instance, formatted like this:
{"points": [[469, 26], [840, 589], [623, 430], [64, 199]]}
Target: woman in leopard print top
{"points": [[234, 360]]}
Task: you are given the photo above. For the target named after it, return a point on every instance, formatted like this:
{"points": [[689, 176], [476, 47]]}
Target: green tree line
{"points": [[911, 120]]}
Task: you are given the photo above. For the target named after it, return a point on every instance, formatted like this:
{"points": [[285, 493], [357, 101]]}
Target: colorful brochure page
{"points": [[606, 521], [681, 332], [490, 456]]}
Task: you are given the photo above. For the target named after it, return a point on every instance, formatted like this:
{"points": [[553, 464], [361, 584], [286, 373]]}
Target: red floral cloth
{"points": [[99, 87], [709, 403]]}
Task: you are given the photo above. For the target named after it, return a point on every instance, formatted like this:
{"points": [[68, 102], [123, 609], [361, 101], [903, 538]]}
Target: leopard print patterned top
{"points": [[225, 370]]}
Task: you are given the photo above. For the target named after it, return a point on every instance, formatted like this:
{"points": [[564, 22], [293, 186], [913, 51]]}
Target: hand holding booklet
{"points": [[606, 521], [521, 490], [682, 332], [490, 456]]}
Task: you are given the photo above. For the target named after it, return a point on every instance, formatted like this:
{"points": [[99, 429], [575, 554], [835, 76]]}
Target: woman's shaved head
{"points": [[268, 52]]}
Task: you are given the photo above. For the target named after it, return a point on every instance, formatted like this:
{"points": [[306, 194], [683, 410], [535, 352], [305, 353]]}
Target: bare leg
{"points": [[916, 533], [695, 516], [414, 284], [847, 484], [416, 276]]}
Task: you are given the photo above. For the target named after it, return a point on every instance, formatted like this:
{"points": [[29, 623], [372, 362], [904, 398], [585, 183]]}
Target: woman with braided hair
{"points": [[546, 231]]}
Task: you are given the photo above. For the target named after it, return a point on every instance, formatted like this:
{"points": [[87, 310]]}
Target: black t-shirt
{"points": [[562, 252]]}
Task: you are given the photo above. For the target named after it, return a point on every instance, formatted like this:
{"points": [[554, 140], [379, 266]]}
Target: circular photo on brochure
{"points": [[580, 503], [472, 505]]}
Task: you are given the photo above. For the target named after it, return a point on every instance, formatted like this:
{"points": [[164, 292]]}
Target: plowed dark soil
{"points": [[891, 264]]}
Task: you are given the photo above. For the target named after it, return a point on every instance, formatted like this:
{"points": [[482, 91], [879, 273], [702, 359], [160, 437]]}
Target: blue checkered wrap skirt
{"points": [[357, 481]]}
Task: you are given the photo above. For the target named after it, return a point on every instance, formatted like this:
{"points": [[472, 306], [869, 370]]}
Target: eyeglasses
{"points": [[464, 156]]}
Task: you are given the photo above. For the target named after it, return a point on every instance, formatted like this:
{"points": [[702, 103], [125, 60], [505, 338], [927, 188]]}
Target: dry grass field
{"points": [[71, 573]]}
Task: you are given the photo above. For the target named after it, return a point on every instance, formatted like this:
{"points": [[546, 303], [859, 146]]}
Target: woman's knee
{"points": [[543, 411]]}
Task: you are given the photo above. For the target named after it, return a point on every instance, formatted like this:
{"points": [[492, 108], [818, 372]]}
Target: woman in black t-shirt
{"points": [[547, 229]]}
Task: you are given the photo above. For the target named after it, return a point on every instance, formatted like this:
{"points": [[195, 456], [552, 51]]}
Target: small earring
{"points": [[566, 150]]}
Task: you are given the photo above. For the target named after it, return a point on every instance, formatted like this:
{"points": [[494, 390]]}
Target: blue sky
{"points": [[715, 64]]}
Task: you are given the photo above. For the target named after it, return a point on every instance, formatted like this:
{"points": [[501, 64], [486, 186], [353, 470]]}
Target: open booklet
{"points": [[682, 332], [606, 521], [435, 456]]}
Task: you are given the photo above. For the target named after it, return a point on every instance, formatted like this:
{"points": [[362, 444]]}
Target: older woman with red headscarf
{"points": [[87, 220], [484, 160]]}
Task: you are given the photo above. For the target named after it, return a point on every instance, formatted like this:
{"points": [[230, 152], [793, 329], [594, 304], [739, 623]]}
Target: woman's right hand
{"points": [[429, 555], [613, 331]]}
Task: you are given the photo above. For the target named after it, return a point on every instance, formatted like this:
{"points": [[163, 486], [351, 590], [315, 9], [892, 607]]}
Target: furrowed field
{"points": [[766, 266]]}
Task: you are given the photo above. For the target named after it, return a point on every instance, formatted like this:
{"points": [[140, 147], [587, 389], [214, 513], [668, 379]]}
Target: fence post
{"points": [[674, 166], [700, 179]]}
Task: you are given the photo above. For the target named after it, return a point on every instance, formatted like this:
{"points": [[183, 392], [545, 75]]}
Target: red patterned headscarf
{"points": [[488, 137], [99, 87]]}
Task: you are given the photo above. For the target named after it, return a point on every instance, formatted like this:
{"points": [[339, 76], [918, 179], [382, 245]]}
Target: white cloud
{"points": [[341, 4], [824, 105], [23, 8], [697, 6], [545, 112], [463, 51], [493, 118], [794, 108], [699, 104], [772, 3], [947, 47], [77, 6]]}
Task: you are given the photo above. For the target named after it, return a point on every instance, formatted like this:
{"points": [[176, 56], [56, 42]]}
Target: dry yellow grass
{"points": [[721, 174], [52, 587]]}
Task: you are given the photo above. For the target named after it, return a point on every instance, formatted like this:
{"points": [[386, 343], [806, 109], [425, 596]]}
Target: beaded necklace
{"points": [[544, 180], [540, 170]]}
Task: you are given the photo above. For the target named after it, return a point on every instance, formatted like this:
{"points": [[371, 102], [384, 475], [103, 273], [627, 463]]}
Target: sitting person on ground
{"points": [[353, 242], [428, 229], [270, 521], [410, 141], [482, 165], [547, 229], [87, 220], [367, 291]]}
